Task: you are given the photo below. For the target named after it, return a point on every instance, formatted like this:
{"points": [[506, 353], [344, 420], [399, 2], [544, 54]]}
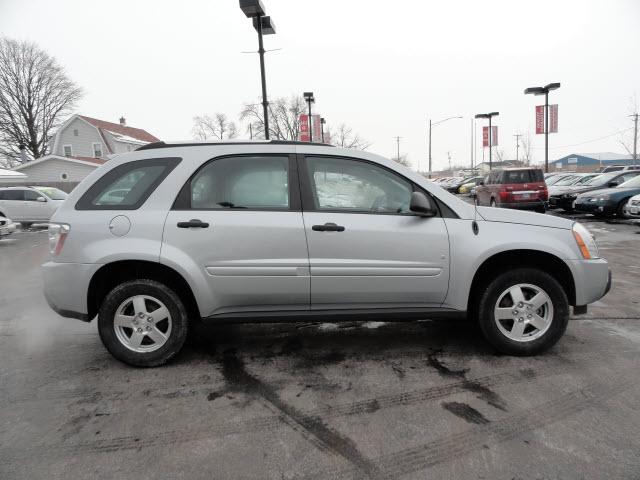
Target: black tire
{"points": [[490, 296], [493, 203], [541, 209], [25, 225], [151, 288]]}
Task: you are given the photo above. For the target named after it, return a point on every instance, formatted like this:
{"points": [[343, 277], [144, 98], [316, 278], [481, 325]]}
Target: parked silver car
{"points": [[29, 205], [288, 231]]}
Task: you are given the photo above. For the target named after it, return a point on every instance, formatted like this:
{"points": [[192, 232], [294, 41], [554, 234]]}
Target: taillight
{"points": [[57, 235], [504, 196], [544, 193]]}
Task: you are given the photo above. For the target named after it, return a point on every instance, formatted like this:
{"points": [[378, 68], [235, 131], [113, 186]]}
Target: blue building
{"points": [[589, 162]]}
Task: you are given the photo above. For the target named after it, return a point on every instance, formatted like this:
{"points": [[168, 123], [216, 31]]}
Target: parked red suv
{"points": [[522, 188]]}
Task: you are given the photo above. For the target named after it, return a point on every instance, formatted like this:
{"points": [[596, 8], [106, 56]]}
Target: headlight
{"points": [[586, 243], [602, 198], [569, 195], [57, 235]]}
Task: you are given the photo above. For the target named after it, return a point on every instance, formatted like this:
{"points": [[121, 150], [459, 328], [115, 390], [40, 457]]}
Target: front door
{"points": [[238, 221], [366, 248]]}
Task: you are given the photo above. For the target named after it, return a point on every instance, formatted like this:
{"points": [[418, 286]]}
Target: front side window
{"points": [[127, 186], [247, 182], [340, 184], [32, 196]]}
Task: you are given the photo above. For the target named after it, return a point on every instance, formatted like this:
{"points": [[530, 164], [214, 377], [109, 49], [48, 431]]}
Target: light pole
{"points": [[398, 148], [308, 97], [322, 122], [489, 116], [635, 137], [264, 26], [431, 125], [544, 91]]}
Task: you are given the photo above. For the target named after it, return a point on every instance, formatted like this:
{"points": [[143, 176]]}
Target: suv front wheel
{"points": [[523, 312], [143, 323]]}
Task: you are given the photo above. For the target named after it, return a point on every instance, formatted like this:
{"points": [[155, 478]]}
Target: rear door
{"points": [[238, 220], [525, 185], [366, 249], [12, 203]]}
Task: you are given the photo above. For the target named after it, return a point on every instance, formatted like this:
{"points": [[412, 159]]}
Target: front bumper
{"points": [[560, 202], [597, 208], [66, 286], [632, 211], [7, 229], [592, 279]]}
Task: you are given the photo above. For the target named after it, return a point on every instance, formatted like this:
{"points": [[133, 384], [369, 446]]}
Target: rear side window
{"points": [[11, 195], [523, 176], [127, 186], [242, 182]]}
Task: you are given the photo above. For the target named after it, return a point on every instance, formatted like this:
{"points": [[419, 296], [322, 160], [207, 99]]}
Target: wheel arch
{"points": [[112, 274], [509, 259]]}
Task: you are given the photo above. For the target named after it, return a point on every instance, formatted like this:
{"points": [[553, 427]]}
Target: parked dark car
{"points": [[455, 187], [522, 188], [608, 202], [566, 198]]}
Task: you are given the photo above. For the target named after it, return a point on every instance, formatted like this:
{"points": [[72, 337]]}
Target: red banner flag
{"points": [[539, 119], [485, 136], [304, 128], [553, 118], [494, 136]]}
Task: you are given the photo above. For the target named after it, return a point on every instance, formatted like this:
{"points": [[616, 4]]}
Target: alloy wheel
{"points": [[523, 312], [142, 323]]}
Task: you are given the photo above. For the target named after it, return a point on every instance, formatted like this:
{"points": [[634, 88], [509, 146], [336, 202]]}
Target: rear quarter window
{"points": [[127, 186]]}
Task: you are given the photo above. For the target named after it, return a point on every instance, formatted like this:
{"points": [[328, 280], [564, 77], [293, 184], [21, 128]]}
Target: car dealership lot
{"points": [[380, 400]]}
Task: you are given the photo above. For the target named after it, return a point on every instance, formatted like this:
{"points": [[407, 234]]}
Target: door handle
{"points": [[328, 227], [193, 223]]}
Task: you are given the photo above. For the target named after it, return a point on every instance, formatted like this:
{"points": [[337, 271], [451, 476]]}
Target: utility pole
{"points": [[471, 140], [449, 157], [518, 135], [635, 137], [398, 143]]}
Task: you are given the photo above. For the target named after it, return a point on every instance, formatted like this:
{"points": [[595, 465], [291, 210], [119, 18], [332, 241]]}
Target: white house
{"points": [[80, 146]]}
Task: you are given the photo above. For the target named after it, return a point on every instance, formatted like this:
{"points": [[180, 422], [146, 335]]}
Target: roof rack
{"points": [[155, 145]]}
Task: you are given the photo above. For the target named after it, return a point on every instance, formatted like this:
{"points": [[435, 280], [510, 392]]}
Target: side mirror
{"points": [[421, 204], [614, 184], [41, 199]]}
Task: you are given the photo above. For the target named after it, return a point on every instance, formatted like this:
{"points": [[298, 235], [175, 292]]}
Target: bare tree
{"points": [[284, 117], [343, 136], [218, 127], [403, 160], [626, 137], [35, 96], [498, 153], [525, 148]]}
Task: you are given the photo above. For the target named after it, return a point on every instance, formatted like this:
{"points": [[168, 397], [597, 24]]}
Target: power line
{"points": [[589, 141]]}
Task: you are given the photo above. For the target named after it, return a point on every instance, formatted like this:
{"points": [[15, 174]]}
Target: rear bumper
{"points": [[65, 287], [592, 279], [530, 205]]}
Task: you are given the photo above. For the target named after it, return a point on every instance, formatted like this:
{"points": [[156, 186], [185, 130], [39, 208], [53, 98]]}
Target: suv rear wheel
{"points": [[493, 202], [143, 323], [523, 312]]}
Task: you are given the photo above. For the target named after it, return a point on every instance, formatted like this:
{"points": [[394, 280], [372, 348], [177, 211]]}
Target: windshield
{"points": [[570, 180], [633, 183], [554, 180], [602, 179], [53, 193]]}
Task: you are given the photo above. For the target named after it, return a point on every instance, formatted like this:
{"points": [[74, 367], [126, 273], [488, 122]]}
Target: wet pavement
{"points": [[412, 400]]}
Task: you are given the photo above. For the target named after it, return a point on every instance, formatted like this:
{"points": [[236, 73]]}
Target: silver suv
{"points": [[175, 233]]}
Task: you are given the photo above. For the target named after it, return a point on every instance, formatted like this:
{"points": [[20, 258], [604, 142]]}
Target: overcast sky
{"points": [[384, 68]]}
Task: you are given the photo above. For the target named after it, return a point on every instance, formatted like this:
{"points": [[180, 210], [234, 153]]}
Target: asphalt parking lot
{"points": [[426, 399]]}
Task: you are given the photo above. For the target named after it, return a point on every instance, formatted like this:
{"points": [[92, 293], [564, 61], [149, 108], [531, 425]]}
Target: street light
{"points": [[544, 91], [431, 125], [322, 122], [489, 116], [308, 97], [264, 26]]}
